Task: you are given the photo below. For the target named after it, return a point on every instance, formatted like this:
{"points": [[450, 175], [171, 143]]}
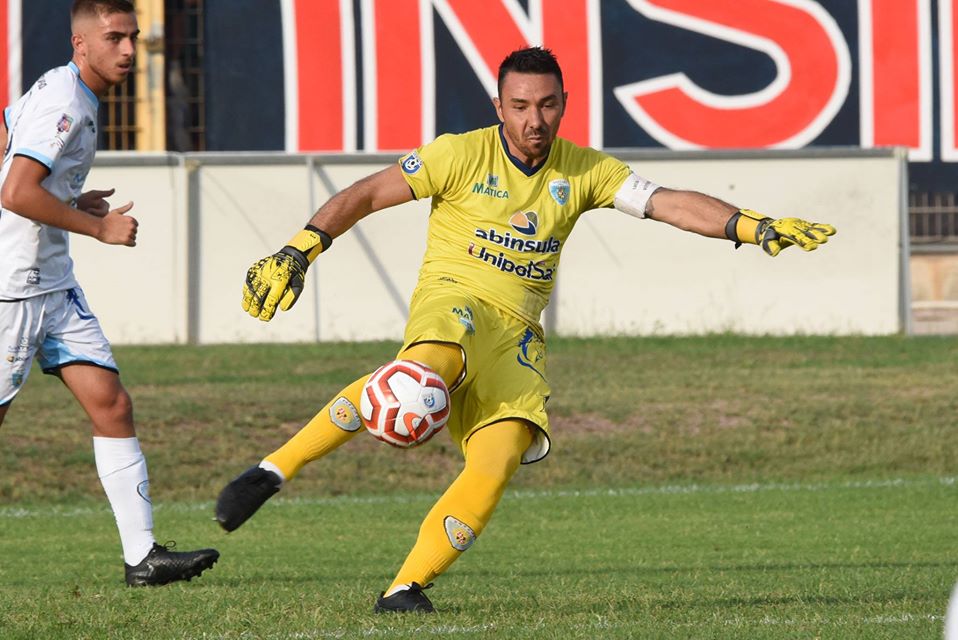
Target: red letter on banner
{"points": [[398, 103], [814, 71], [319, 59], [895, 66]]}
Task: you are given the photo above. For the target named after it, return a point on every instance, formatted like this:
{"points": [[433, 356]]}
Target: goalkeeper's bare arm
{"points": [[709, 216], [375, 192]]}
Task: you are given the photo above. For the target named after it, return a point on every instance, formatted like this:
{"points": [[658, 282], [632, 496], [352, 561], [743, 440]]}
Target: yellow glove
{"points": [[279, 278], [747, 226]]}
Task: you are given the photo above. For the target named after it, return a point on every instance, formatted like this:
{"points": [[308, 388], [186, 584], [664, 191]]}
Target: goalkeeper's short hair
{"points": [[530, 60]]}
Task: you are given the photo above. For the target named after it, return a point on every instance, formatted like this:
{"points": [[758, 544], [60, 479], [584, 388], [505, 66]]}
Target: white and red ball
{"points": [[404, 403]]}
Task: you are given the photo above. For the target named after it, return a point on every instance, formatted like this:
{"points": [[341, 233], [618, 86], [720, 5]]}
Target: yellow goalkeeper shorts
{"points": [[505, 363]]}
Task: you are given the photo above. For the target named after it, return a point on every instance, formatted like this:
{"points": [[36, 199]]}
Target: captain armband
{"points": [[633, 196]]}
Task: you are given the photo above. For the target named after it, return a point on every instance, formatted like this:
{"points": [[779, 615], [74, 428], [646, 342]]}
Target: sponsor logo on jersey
{"points": [[412, 163], [461, 536], [509, 241], [532, 270], [559, 190], [33, 276], [63, 126], [344, 415], [524, 222], [491, 190]]}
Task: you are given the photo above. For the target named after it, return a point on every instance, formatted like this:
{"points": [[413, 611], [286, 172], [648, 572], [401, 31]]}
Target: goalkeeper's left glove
{"points": [[747, 226], [279, 278]]}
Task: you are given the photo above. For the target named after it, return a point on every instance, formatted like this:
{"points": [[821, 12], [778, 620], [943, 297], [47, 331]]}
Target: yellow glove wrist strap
{"points": [[744, 226], [311, 242]]}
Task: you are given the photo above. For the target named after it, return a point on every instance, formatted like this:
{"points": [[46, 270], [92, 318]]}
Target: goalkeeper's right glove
{"points": [[279, 278]]}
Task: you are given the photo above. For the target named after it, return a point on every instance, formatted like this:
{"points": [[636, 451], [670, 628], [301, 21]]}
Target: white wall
{"points": [[204, 218]]}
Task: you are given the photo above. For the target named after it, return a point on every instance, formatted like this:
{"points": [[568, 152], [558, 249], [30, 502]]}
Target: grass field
{"points": [[719, 487]]}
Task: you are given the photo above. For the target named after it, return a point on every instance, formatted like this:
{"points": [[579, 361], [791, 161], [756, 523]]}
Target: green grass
{"points": [[719, 487]]}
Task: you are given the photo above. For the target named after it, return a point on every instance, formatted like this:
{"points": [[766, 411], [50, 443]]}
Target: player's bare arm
{"points": [[376, 192], [690, 211], [278, 280], [714, 218], [24, 194]]}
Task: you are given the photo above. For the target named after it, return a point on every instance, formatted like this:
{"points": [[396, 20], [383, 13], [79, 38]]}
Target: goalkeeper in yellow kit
{"points": [[504, 200]]}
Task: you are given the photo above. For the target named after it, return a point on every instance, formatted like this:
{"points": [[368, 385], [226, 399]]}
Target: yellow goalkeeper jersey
{"points": [[496, 227]]}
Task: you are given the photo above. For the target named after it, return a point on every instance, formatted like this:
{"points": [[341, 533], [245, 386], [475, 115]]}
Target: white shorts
{"points": [[57, 328]]}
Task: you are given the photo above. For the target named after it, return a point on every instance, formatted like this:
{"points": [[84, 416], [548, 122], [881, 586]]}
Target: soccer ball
{"points": [[404, 403]]}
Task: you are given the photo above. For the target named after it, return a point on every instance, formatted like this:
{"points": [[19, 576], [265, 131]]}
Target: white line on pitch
{"points": [[899, 483]]}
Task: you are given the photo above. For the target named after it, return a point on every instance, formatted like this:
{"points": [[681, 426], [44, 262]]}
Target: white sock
{"points": [[397, 589], [122, 470], [269, 466]]}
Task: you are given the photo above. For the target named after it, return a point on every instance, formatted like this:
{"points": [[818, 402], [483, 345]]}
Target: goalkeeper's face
{"points": [[530, 106]]}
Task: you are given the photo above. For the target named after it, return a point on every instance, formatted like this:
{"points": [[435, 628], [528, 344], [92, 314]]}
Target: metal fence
{"points": [[933, 219]]}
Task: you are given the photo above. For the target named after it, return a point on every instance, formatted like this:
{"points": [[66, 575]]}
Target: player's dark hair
{"points": [[530, 60], [100, 7]]}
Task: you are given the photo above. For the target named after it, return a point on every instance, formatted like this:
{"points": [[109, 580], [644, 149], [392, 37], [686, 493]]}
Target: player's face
{"points": [[104, 48], [530, 106]]}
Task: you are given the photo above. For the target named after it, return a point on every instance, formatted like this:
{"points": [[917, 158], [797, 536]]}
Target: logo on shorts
{"points": [[74, 297], [465, 318], [33, 276], [412, 163], [461, 536], [19, 352], [559, 190], [531, 351], [344, 415], [17, 378]]}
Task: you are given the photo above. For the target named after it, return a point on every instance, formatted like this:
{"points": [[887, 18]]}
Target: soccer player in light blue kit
{"points": [[50, 136]]}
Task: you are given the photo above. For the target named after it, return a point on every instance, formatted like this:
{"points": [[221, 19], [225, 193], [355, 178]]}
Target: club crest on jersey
{"points": [[526, 223], [63, 126], [559, 190], [412, 163]]}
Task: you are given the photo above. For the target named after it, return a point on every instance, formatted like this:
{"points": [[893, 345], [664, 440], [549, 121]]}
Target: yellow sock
{"points": [[492, 456], [334, 425], [445, 358]]}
